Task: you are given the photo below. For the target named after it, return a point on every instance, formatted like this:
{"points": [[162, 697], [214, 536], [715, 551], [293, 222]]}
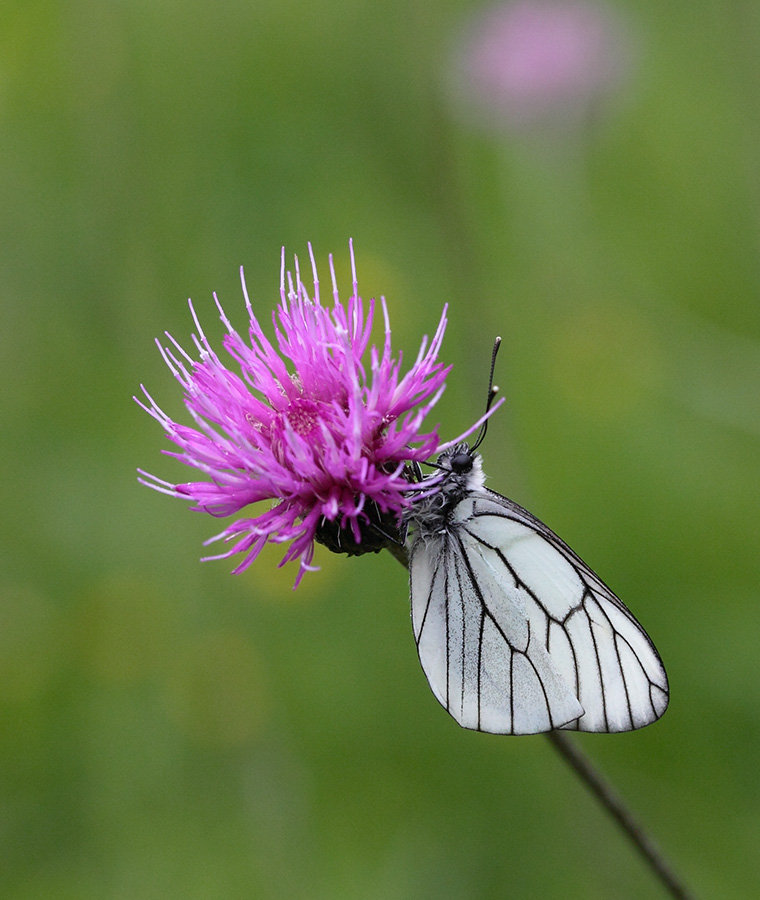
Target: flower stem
{"points": [[399, 552], [585, 770]]}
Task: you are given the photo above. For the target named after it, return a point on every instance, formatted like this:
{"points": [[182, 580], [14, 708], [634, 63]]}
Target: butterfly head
{"points": [[462, 470], [459, 472]]}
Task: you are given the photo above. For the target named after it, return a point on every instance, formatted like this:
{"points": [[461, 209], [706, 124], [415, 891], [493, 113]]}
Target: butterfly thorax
{"points": [[460, 471]]}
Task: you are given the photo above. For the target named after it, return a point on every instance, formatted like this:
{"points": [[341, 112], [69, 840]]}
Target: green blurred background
{"points": [[169, 730]]}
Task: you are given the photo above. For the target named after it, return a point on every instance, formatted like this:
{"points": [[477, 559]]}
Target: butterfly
{"points": [[515, 633]]}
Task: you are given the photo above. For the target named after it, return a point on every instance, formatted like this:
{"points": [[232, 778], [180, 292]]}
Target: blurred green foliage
{"points": [[168, 730]]}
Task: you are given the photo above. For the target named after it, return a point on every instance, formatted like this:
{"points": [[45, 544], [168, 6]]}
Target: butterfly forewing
{"points": [[515, 633], [618, 674]]}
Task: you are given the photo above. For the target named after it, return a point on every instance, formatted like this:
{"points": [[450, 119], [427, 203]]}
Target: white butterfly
{"points": [[515, 633]]}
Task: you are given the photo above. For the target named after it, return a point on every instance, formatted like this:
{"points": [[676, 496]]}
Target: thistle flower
{"points": [[313, 423], [531, 62]]}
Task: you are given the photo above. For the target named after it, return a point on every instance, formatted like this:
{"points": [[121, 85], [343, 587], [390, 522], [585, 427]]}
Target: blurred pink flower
{"points": [[317, 425], [533, 61]]}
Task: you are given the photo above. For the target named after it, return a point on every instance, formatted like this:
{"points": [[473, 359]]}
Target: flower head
{"points": [[539, 61], [314, 423]]}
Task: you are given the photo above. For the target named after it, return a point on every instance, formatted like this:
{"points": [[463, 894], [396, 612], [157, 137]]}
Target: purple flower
{"points": [[533, 61], [317, 425]]}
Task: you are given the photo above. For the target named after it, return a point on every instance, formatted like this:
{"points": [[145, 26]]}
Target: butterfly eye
{"points": [[461, 463]]}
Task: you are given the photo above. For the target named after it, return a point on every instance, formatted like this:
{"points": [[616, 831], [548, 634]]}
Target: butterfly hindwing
{"points": [[479, 653]]}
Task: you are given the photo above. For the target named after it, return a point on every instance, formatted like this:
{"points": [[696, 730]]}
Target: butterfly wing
{"points": [[516, 635], [477, 648]]}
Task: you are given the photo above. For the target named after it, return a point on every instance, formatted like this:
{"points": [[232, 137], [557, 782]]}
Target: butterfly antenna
{"points": [[493, 390]]}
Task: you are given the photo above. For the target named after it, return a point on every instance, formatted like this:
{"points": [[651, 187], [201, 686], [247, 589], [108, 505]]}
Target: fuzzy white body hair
{"points": [[431, 516]]}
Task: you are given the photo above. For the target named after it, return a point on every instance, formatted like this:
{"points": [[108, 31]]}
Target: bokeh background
{"points": [[169, 730]]}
